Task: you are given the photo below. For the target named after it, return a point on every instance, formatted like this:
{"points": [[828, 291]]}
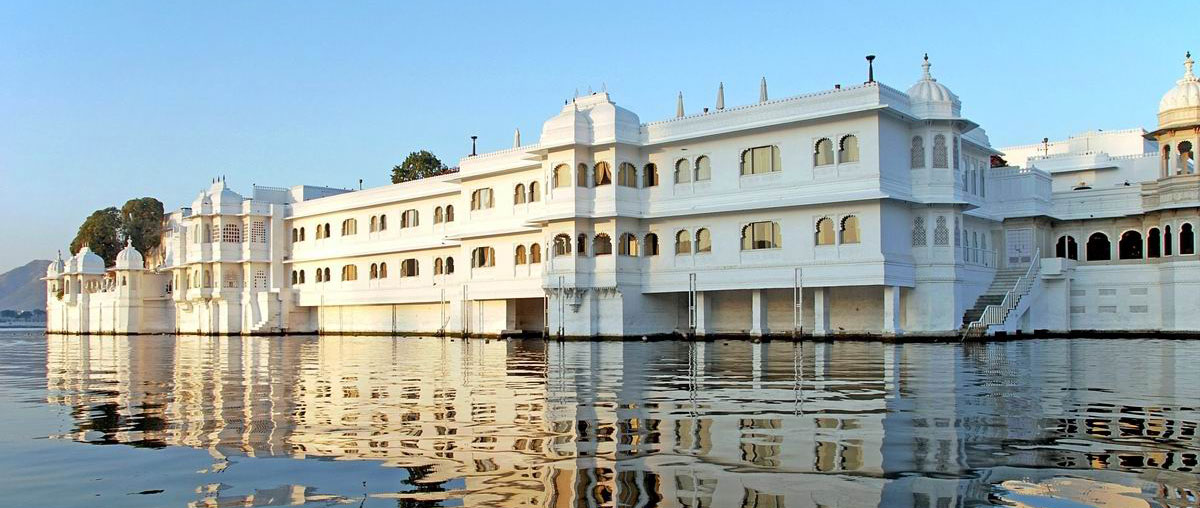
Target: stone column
{"points": [[703, 310], [891, 310], [758, 313], [821, 310]]}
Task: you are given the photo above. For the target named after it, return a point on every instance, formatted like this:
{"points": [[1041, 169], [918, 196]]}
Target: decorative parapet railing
{"points": [[997, 314]]}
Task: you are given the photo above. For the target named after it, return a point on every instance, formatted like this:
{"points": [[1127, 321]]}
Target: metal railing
{"points": [[996, 314]]}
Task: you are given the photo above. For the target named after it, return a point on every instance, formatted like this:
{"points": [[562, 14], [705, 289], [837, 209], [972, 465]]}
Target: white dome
{"points": [[88, 262], [592, 119], [1184, 96], [930, 99], [129, 258], [55, 267]]}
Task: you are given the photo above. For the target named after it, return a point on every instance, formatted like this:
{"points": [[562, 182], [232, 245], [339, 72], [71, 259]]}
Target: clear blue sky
{"points": [[104, 101]]}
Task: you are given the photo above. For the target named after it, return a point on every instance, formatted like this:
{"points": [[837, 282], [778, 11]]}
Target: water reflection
{"points": [[533, 423]]}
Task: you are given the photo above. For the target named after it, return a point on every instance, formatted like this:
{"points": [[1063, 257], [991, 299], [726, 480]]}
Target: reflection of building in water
{"points": [[685, 424]]}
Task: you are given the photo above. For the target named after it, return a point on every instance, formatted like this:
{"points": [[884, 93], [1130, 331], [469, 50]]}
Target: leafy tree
{"points": [[419, 165], [99, 231], [142, 221], [25, 315], [8, 314]]}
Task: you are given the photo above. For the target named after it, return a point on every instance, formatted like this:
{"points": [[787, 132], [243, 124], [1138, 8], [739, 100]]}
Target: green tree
{"points": [[8, 314], [142, 222], [418, 165], [99, 231]]}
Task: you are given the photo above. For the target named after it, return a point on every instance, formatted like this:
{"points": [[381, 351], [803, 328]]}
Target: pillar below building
{"points": [[822, 305], [891, 310], [703, 311], [758, 313]]}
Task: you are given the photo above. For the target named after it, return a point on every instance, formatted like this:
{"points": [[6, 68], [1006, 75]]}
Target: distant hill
{"points": [[21, 288]]}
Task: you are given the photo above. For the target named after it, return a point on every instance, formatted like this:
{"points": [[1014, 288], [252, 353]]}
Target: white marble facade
{"points": [[857, 210]]}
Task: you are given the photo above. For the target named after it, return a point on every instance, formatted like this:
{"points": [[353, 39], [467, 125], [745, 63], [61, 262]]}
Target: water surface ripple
{"points": [[376, 421]]}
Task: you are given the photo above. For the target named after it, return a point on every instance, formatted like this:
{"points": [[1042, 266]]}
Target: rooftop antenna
{"points": [[762, 90], [721, 96], [870, 68], [473, 138]]}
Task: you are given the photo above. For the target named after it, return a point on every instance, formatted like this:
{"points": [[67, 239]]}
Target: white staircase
{"points": [[1015, 299]]}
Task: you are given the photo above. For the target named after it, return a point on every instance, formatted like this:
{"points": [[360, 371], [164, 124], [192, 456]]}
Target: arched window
{"points": [[762, 159], [848, 149], [382, 270], [1167, 247], [916, 154], [761, 235], [535, 254], [956, 152], [295, 277], [823, 152], [649, 175], [519, 255], [328, 232], [374, 271], [939, 151], [562, 245], [295, 235], [651, 243], [627, 175], [1187, 159], [683, 171], [1130, 246], [850, 232], [1187, 240], [481, 199], [919, 233], [703, 168], [450, 211], [535, 192], [1098, 247], [1153, 243], [483, 257], [824, 232], [349, 227], [941, 234], [349, 272], [409, 219], [208, 234], [628, 245], [231, 233], [581, 244], [320, 231], [603, 173], [301, 234], [1066, 248], [519, 196], [438, 267], [683, 242], [601, 245], [320, 277], [410, 268], [562, 176], [581, 176], [373, 226], [302, 276], [449, 265], [438, 217], [328, 277], [383, 222], [703, 240]]}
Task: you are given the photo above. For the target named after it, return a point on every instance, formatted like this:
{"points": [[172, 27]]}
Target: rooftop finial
{"points": [[517, 138], [721, 96], [925, 69], [1187, 65], [870, 68], [762, 90], [679, 106]]}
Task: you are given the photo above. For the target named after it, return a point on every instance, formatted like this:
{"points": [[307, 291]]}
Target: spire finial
{"points": [[925, 69], [762, 90], [721, 96], [679, 106], [517, 138], [129, 242], [1187, 66]]}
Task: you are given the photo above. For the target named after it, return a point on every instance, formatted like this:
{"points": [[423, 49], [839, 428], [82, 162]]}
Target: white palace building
{"points": [[855, 211]]}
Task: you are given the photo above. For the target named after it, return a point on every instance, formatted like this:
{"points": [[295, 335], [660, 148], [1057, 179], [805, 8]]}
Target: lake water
{"points": [[377, 421]]}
